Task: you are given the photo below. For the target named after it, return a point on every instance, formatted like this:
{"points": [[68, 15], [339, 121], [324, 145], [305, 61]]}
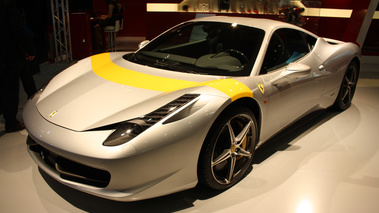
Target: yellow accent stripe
{"points": [[105, 68], [232, 88]]}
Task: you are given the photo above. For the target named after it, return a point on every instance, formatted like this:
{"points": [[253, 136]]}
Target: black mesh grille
{"points": [[155, 116], [70, 170]]}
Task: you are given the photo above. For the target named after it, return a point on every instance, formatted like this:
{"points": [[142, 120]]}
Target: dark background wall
{"points": [[139, 22]]}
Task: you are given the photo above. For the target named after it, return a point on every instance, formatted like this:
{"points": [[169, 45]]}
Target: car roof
{"points": [[266, 24]]}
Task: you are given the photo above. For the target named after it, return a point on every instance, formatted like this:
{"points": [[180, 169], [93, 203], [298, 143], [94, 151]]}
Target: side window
{"points": [[286, 46], [310, 40]]}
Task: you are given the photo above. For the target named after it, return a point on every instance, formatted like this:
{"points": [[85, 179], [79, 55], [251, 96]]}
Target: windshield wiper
{"points": [[161, 64]]}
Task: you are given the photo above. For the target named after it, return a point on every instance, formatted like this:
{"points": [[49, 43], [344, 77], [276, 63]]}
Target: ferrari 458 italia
{"points": [[190, 106]]}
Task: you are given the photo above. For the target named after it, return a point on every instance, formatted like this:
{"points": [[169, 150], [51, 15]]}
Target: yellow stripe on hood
{"points": [[105, 68]]}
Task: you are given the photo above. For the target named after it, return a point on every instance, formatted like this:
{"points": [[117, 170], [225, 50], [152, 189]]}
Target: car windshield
{"points": [[208, 48]]}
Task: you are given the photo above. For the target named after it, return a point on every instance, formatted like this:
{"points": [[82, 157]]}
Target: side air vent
{"points": [[155, 116]]}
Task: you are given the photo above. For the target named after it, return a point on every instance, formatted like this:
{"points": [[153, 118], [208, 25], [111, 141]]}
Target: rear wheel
{"points": [[229, 148], [347, 90]]}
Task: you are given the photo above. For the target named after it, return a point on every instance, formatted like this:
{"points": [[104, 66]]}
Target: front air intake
{"points": [[70, 170]]}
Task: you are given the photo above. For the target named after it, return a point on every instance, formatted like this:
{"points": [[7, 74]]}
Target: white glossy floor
{"points": [[330, 163]]}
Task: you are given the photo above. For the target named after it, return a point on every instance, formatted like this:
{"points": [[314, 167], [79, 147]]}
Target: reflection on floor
{"points": [[328, 164]]}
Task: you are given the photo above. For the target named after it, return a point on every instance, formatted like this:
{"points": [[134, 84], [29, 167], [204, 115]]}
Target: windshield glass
{"points": [[209, 48]]}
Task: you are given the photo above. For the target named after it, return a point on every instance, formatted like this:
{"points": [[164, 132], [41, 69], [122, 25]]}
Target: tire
{"points": [[347, 89], [228, 150]]}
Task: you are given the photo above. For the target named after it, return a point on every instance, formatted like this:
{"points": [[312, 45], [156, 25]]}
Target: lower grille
{"points": [[71, 170]]}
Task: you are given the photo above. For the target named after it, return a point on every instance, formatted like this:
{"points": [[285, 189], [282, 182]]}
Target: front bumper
{"points": [[160, 161]]}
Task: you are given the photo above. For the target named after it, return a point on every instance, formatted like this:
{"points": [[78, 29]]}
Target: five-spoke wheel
{"points": [[349, 83], [229, 149]]}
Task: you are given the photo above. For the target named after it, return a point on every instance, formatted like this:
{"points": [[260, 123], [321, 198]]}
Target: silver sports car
{"points": [[189, 107]]}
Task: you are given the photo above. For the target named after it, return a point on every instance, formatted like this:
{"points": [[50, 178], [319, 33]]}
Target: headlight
{"points": [[126, 131]]}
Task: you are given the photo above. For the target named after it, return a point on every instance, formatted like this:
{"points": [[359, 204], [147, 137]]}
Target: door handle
{"points": [[321, 68]]}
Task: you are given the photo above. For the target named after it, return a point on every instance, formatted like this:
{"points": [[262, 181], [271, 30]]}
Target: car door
{"points": [[291, 77]]}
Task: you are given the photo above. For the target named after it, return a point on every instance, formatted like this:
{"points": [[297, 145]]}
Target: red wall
{"points": [[338, 4], [343, 28]]}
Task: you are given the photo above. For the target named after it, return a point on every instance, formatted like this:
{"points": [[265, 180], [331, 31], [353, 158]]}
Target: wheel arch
{"points": [[344, 98], [249, 103], [357, 60], [245, 102]]}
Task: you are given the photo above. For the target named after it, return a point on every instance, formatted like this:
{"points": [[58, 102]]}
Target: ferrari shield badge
{"points": [[261, 88]]}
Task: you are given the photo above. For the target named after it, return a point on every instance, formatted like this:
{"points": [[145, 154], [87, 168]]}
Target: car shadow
{"points": [[169, 203], [282, 140], [186, 199]]}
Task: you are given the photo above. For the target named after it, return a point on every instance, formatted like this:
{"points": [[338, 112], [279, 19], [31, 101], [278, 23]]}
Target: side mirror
{"points": [[291, 74], [143, 43], [297, 70]]}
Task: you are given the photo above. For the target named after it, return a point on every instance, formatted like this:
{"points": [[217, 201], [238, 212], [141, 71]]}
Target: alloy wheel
{"points": [[232, 151]]}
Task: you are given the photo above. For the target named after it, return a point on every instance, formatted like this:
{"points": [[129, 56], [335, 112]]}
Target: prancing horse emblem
{"points": [[261, 88]]}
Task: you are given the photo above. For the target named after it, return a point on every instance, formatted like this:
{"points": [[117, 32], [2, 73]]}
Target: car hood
{"points": [[106, 89]]}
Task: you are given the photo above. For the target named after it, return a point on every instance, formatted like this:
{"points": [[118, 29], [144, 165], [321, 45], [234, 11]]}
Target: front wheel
{"points": [[347, 90], [228, 150]]}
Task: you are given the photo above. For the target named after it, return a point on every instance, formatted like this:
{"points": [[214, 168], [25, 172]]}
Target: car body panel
{"points": [[290, 96], [130, 90], [82, 107], [145, 150]]}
